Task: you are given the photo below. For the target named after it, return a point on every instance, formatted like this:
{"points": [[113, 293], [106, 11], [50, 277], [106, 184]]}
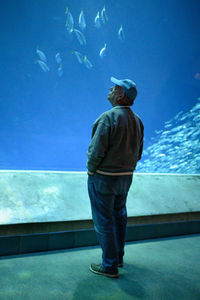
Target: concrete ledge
{"points": [[42, 196], [43, 211]]}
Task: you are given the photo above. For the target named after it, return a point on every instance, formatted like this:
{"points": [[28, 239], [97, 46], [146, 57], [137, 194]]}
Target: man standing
{"points": [[115, 148]]}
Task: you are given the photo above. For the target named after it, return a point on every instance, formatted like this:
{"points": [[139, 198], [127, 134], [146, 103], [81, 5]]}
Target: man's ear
{"points": [[121, 93]]}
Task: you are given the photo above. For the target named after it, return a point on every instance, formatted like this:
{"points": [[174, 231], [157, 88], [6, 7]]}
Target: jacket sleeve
{"points": [[141, 141], [98, 146]]}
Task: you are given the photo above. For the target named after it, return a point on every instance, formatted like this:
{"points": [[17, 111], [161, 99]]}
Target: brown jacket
{"points": [[117, 142]]}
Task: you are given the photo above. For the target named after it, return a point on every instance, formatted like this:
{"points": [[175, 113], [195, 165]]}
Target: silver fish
{"points": [[58, 58], [104, 17], [178, 115], [79, 56], [196, 107], [87, 62], [41, 55], [60, 70], [102, 52], [121, 34], [43, 65], [82, 23], [97, 22], [69, 21], [168, 125], [196, 118], [175, 150], [158, 131], [80, 36]]}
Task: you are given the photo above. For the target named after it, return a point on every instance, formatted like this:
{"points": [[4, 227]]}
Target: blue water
{"points": [[47, 112]]}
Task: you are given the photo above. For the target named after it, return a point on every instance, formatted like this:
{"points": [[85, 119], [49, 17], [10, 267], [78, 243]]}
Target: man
{"points": [[115, 148]]}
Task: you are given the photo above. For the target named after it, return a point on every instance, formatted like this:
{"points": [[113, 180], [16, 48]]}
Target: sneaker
{"points": [[97, 269]]}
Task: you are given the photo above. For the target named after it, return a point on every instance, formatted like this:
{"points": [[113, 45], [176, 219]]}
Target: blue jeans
{"points": [[108, 196]]}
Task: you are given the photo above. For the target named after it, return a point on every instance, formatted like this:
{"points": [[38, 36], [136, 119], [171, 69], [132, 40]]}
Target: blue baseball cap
{"points": [[128, 86]]}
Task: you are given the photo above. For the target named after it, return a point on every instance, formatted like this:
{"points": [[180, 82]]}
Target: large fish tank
{"points": [[57, 58]]}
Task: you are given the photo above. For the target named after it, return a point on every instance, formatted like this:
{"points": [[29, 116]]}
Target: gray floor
{"points": [[159, 269]]}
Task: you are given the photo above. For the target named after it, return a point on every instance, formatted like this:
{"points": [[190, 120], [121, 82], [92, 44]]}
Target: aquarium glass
{"points": [[56, 60]]}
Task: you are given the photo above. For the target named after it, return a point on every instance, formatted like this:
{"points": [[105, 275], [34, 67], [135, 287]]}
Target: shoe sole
{"points": [[105, 274]]}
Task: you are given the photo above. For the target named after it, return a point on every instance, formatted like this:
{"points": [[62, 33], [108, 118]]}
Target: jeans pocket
{"points": [[103, 187]]}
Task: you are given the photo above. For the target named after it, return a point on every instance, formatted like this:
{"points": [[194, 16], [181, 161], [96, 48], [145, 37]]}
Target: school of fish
{"points": [[175, 148], [100, 20]]}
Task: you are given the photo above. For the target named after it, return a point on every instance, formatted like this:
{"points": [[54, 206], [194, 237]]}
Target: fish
{"points": [[178, 115], [60, 70], [79, 56], [104, 17], [43, 65], [58, 58], [161, 155], [196, 118], [97, 21], [121, 34], [81, 21], [196, 107], [102, 52], [168, 125], [80, 36], [87, 62], [82, 59], [175, 150], [69, 21], [41, 55], [174, 167], [158, 131]]}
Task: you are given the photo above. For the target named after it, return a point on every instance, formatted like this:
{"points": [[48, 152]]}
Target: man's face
{"points": [[115, 93], [112, 93]]}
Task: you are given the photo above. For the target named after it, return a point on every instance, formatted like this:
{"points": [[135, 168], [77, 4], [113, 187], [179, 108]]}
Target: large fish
{"points": [[102, 52], [60, 70], [43, 65], [80, 36], [79, 56], [58, 58], [97, 21], [104, 17], [121, 34], [41, 55], [82, 23], [87, 62], [69, 21]]}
